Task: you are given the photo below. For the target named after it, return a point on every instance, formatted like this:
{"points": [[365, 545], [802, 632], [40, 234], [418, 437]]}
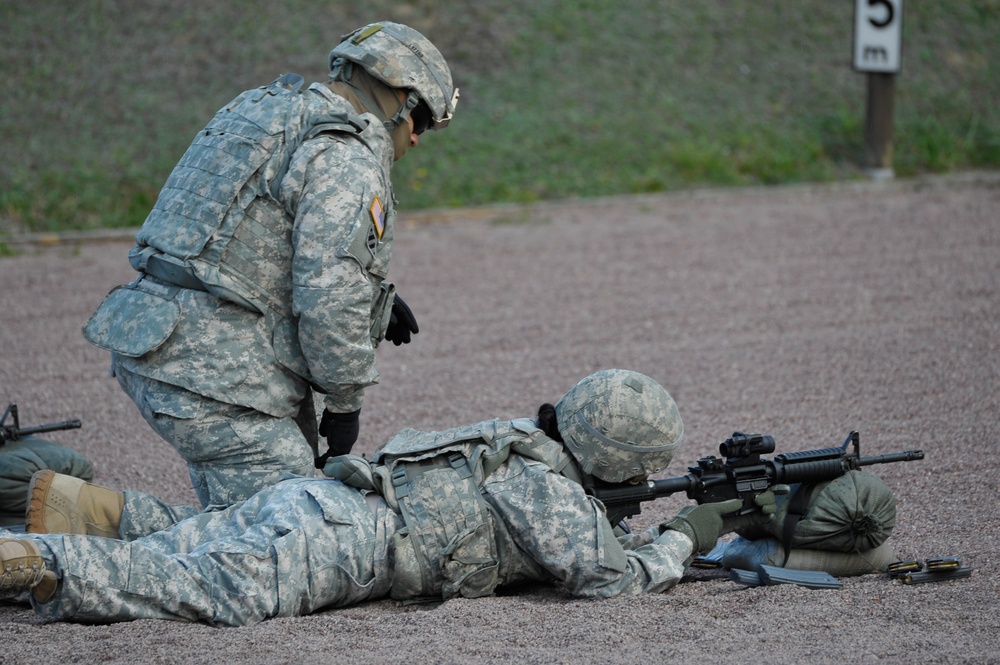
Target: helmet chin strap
{"points": [[403, 114], [343, 71], [368, 94]]}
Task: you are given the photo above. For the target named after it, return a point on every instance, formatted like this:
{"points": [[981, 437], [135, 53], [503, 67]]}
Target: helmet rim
{"points": [[619, 424], [422, 68]]}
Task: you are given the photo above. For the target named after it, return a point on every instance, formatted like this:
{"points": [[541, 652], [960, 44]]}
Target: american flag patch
{"points": [[378, 216]]}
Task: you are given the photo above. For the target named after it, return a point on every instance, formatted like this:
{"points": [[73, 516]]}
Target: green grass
{"points": [[561, 98]]}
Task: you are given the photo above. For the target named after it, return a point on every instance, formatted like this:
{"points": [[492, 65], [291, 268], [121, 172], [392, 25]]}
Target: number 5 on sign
{"points": [[878, 35]]}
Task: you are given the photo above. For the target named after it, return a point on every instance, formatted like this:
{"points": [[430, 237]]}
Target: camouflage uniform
{"points": [[263, 270], [308, 544], [249, 295]]}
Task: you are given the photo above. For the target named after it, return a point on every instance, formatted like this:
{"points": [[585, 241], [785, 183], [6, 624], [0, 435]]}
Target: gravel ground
{"points": [[801, 312]]}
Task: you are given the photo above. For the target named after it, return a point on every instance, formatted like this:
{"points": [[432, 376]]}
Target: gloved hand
{"points": [[341, 432], [705, 523], [768, 508], [401, 323]]}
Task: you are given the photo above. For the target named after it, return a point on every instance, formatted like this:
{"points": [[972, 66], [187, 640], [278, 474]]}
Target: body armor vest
{"points": [[218, 224], [434, 479]]}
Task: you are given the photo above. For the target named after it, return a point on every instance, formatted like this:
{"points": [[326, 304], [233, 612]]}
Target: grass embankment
{"points": [[560, 99]]}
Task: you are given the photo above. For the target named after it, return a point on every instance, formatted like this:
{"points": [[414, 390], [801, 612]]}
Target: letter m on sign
{"points": [[878, 35]]}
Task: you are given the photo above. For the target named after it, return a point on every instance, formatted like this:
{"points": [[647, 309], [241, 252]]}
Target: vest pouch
{"points": [[471, 567], [382, 311], [352, 470], [448, 549], [285, 342], [135, 319], [407, 580]]}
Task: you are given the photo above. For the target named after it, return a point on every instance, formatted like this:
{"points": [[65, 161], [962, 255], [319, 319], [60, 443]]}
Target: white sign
{"points": [[878, 35]]}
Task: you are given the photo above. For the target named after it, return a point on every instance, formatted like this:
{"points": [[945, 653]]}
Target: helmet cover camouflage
{"points": [[618, 424], [401, 57]]}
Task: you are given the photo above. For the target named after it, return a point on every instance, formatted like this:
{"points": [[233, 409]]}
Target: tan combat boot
{"points": [[23, 569], [58, 503]]}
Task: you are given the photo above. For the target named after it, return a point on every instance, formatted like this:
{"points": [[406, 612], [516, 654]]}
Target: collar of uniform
{"points": [[375, 136]]}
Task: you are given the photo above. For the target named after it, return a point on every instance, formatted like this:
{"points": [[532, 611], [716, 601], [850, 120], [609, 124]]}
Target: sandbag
{"points": [[19, 460], [853, 513], [752, 554]]}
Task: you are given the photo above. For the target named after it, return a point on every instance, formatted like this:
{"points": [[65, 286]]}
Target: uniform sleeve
{"points": [[329, 187], [566, 532]]}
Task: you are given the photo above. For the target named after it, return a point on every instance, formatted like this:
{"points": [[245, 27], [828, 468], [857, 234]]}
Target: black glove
{"points": [[341, 432], [705, 523], [702, 524], [401, 323], [768, 507]]}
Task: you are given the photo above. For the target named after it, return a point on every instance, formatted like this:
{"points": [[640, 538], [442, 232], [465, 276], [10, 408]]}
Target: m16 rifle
{"points": [[15, 432], [743, 474]]}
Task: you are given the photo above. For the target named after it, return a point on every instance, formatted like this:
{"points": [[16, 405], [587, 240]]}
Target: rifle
{"points": [[15, 432], [744, 474]]}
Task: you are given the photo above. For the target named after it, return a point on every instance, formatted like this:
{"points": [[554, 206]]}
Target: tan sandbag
{"points": [[751, 554]]}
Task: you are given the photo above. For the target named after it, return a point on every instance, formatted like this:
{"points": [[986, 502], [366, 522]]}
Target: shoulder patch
{"points": [[378, 216]]}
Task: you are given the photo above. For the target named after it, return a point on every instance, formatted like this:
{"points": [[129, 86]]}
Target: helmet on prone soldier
{"points": [[618, 425], [401, 57]]}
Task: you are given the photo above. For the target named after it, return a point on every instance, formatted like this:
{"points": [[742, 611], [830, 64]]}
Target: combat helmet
{"points": [[401, 57], [618, 424]]}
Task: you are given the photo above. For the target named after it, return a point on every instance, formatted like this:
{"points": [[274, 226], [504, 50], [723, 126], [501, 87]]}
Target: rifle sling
{"points": [[798, 506]]}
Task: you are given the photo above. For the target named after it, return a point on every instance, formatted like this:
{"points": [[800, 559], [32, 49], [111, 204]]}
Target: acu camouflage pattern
{"points": [[538, 522], [232, 452], [220, 215], [619, 424], [266, 222], [485, 444], [306, 544], [448, 547], [274, 220], [292, 549], [114, 327], [401, 57]]}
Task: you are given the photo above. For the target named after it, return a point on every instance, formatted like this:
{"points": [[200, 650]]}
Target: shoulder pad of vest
{"points": [[526, 425], [290, 82], [411, 443]]}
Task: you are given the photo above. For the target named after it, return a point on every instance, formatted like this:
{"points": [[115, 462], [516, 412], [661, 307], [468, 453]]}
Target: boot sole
{"points": [[38, 495]]}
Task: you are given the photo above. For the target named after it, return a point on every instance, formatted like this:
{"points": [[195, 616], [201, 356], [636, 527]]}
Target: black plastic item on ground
{"points": [[768, 575]]}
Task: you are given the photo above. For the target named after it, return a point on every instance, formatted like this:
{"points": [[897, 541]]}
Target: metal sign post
{"points": [[878, 32]]}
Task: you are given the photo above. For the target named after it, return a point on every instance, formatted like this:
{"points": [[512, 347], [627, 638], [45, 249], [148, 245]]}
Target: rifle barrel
{"points": [[668, 486], [51, 427], [905, 456], [15, 433]]}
